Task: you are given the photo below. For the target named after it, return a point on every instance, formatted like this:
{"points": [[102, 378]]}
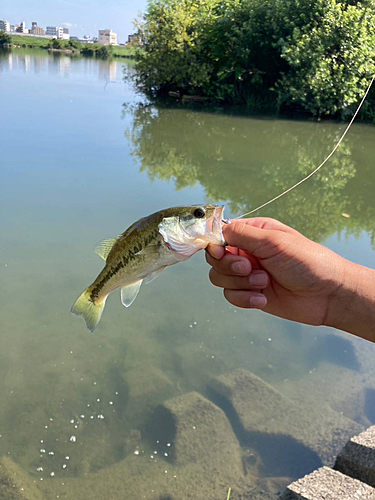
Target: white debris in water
{"points": [[165, 454], [82, 416], [136, 452], [168, 444], [72, 439], [40, 469], [111, 402], [269, 339], [72, 421], [51, 453], [42, 450], [98, 400], [52, 474], [64, 466], [101, 416]]}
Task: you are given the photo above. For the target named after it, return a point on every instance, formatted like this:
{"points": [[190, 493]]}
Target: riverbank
{"points": [[91, 49]]}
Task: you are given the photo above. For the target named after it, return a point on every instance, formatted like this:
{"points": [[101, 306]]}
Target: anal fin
{"points": [[129, 293]]}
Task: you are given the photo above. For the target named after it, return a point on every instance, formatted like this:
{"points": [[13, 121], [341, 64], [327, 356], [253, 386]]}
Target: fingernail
{"points": [[239, 268], [258, 301], [258, 279]]}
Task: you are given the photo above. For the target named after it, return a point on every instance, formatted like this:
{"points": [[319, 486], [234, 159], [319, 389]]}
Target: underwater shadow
{"points": [[281, 456], [335, 350], [369, 406]]}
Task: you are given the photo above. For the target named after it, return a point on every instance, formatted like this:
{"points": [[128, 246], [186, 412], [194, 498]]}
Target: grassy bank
{"points": [[91, 49]]}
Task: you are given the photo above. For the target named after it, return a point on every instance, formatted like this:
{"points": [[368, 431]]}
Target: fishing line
{"points": [[321, 165]]}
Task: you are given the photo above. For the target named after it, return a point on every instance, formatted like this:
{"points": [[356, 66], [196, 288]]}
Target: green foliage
{"points": [[329, 58], [314, 55], [4, 39]]}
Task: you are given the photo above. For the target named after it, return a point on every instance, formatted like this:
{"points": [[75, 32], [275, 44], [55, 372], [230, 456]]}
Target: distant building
{"points": [[58, 32], [4, 26], [107, 37], [22, 28], [35, 30]]}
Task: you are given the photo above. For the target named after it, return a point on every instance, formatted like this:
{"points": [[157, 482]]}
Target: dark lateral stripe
{"points": [[120, 265]]}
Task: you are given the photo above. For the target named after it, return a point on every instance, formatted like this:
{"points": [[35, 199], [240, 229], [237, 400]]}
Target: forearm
{"points": [[352, 306]]}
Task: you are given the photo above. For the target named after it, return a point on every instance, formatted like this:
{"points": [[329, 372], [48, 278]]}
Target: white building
{"points": [[22, 28], [58, 32], [4, 26], [107, 37]]}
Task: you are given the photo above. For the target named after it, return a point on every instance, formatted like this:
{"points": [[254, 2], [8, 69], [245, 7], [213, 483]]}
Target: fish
{"points": [[144, 250]]}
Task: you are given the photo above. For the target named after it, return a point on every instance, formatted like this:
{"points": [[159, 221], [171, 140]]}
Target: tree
{"points": [[313, 55], [5, 39]]}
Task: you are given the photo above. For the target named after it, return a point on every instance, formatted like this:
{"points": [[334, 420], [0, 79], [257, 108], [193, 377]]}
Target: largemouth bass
{"points": [[144, 250]]}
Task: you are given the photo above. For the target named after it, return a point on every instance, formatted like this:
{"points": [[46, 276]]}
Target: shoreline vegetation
{"points": [[299, 57], [67, 47]]}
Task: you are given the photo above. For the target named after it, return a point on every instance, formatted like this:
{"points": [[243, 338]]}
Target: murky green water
{"points": [[82, 157]]}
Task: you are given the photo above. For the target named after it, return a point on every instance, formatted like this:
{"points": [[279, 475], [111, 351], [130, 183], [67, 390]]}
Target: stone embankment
{"points": [[352, 478]]}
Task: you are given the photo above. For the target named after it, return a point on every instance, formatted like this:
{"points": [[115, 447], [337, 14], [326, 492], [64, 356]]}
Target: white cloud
{"points": [[70, 25]]}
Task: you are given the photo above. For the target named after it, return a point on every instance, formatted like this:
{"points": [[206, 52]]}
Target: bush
{"points": [[4, 39]]}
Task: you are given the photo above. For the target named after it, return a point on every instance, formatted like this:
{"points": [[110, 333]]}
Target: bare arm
{"points": [[272, 267]]}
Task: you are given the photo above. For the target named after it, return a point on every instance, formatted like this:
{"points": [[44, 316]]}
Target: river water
{"points": [[83, 156]]}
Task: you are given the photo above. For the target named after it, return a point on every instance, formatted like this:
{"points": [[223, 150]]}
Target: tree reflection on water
{"points": [[246, 161]]}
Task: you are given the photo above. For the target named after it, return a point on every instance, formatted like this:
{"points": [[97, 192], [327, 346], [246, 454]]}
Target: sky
{"points": [[82, 17]]}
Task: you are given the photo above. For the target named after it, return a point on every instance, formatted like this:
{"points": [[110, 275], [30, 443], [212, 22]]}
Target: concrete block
{"points": [[328, 484], [260, 409], [199, 432], [357, 459]]}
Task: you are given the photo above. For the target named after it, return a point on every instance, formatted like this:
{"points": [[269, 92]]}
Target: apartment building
{"points": [[107, 37], [36, 30], [58, 32], [4, 26]]}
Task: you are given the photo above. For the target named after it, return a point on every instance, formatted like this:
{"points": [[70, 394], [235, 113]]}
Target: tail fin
{"points": [[91, 311]]}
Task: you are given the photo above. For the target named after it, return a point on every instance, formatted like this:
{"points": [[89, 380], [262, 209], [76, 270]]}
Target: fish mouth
{"points": [[214, 226]]}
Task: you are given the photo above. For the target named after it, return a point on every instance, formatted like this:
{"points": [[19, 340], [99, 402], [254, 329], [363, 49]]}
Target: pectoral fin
{"points": [[129, 293], [153, 276]]}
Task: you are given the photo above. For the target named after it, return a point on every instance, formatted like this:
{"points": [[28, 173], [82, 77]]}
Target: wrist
{"points": [[351, 306]]}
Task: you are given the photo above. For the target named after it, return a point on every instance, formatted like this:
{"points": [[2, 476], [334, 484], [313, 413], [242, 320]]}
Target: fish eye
{"points": [[199, 213]]}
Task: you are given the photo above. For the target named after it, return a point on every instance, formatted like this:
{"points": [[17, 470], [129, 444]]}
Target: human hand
{"points": [[270, 266]]}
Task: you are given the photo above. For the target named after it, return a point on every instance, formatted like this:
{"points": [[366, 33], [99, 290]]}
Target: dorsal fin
{"points": [[104, 247]]}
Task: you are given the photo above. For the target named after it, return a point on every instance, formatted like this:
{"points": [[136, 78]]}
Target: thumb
{"points": [[262, 243]]}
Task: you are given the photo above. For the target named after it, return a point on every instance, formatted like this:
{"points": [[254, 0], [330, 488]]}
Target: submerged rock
{"points": [[203, 460], [198, 431], [15, 484], [261, 412], [148, 387]]}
